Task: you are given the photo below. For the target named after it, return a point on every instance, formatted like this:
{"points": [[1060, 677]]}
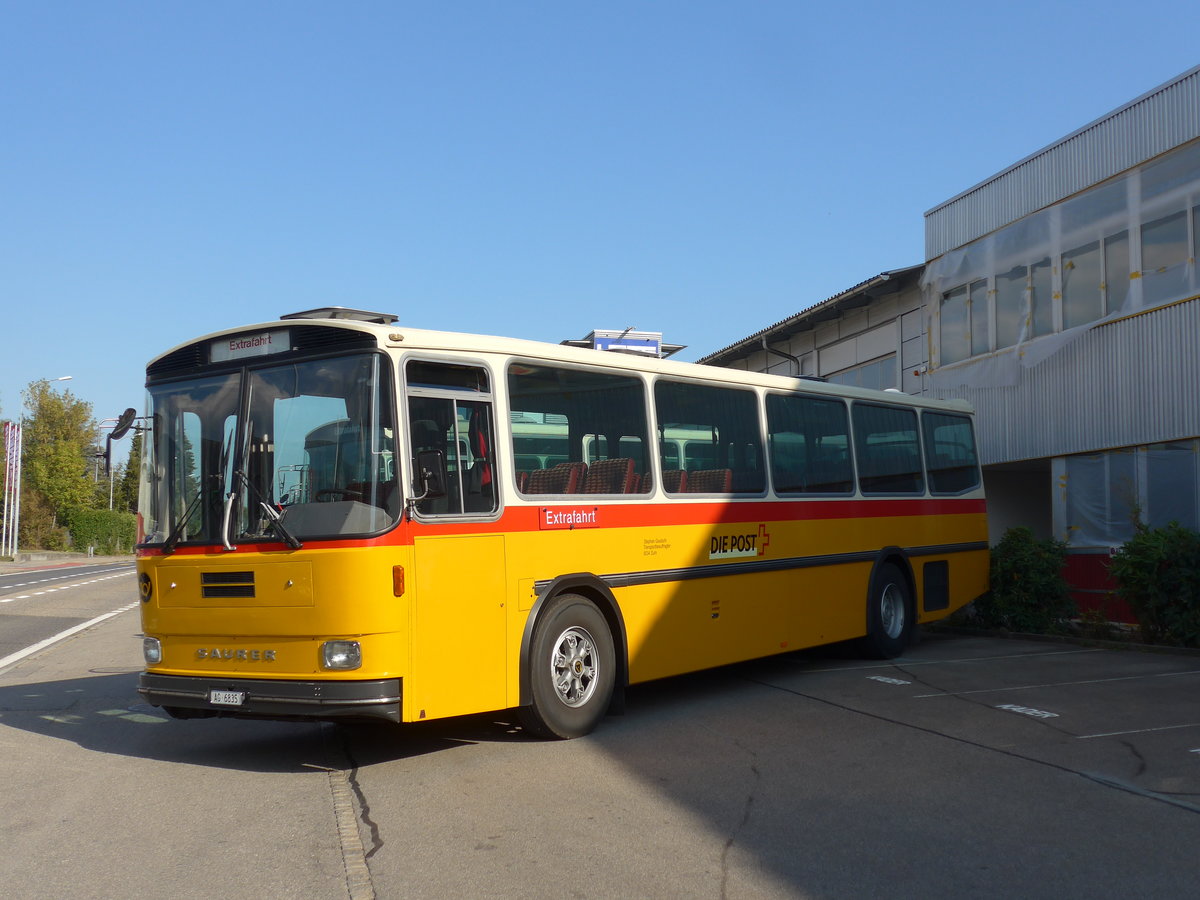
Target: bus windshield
{"points": [[299, 450]]}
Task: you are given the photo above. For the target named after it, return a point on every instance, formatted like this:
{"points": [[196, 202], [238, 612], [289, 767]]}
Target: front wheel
{"points": [[572, 669], [889, 614]]}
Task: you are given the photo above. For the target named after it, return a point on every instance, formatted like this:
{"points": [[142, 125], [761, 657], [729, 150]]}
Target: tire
{"points": [[889, 614], [572, 669]]}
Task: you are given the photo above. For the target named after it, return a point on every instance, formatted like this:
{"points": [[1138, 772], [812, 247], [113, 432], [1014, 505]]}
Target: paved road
{"points": [[970, 767], [38, 603]]}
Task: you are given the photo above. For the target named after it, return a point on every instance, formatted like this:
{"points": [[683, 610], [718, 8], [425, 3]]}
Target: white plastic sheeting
{"points": [[1102, 495], [1012, 299]]}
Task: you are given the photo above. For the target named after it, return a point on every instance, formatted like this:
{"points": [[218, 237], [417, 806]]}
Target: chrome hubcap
{"points": [[574, 667], [891, 611]]}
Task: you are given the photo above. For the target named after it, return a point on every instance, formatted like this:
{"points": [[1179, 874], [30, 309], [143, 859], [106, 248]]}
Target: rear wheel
{"points": [[572, 669], [889, 614]]}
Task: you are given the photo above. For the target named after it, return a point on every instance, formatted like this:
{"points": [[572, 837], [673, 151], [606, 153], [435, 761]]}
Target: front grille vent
{"points": [[218, 585]]}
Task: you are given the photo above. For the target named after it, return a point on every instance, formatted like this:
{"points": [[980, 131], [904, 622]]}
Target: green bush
{"points": [[1029, 593], [1158, 574], [109, 531]]}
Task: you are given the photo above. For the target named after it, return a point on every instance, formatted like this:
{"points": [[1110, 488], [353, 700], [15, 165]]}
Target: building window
{"points": [[955, 325], [1082, 280], [1165, 258], [1041, 298], [1116, 271], [878, 375], [977, 306], [964, 322], [1010, 305]]}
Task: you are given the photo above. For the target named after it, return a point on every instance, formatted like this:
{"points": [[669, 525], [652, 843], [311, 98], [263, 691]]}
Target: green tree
{"points": [[125, 477], [56, 458]]}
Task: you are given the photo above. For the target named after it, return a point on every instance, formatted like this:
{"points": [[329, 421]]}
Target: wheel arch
{"points": [[585, 584], [895, 556]]}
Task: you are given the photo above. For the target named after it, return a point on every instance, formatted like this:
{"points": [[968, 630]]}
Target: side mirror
{"points": [[431, 474], [124, 423]]}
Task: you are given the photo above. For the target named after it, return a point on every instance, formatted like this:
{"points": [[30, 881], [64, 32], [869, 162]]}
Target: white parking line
{"points": [[1030, 687], [1084, 737], [912, 663]]}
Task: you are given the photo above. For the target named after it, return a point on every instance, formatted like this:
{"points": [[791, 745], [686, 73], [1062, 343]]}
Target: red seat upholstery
{"points": [[675, 481], [564, 478], [609, 476], [710, 481]]}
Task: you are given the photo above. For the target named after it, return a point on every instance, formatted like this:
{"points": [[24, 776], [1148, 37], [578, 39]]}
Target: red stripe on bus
{"points": [[518, 519]]}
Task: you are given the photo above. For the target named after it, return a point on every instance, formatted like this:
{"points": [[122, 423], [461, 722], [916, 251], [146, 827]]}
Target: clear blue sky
{"points": [[536, 169]]}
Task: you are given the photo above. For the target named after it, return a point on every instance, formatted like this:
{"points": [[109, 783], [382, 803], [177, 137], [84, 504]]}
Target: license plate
{"points": [[227, 698]]}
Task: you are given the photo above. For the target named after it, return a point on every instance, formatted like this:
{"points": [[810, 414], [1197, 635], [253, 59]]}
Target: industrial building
{"points": [[1061, 297]]}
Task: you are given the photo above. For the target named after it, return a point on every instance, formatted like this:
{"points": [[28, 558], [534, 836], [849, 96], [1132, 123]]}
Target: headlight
{"points": [[341, 655], [152, 650]]}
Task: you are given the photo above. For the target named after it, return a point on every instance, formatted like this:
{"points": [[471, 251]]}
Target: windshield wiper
{"points": [[272, 512], [181, 525]]}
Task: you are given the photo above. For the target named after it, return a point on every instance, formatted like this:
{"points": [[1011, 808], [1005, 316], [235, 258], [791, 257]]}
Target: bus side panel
{"points": [[459, 628], [690, 625], [967, 577]]}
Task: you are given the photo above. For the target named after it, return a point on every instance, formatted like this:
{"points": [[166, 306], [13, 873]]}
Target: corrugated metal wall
{"points": [[1134, 381], [1154, 123]]}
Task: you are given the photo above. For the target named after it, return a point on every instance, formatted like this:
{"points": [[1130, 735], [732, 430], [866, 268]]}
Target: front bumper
{"points": [[188, 697]]}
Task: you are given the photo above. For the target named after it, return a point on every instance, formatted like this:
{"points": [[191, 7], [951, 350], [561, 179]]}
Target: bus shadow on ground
{"points": [[104, 713]]}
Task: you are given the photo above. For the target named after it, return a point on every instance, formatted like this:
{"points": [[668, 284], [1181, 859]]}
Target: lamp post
{"points": [[12, 478]]}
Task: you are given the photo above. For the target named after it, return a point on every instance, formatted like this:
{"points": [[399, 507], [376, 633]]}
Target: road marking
{"points": [[60, 578], [1028, 711], [1084, 737], [1050, 684], [62, 635], [909, 663], [64, 587], [883, 679]]}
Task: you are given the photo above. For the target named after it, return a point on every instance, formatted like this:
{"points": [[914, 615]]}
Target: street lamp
{"points": [[12, 478]]}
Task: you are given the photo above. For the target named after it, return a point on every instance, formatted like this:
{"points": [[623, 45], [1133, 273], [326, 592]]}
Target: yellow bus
{"points": [[341, 518]]}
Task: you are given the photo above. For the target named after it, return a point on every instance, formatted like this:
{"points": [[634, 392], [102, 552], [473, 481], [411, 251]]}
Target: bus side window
{"points": [[578, 431], [809, 437], [450, 413], [718, 428]]}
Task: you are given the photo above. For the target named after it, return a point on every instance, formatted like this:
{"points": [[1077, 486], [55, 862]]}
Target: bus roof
{"points": [[393, 336]]}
